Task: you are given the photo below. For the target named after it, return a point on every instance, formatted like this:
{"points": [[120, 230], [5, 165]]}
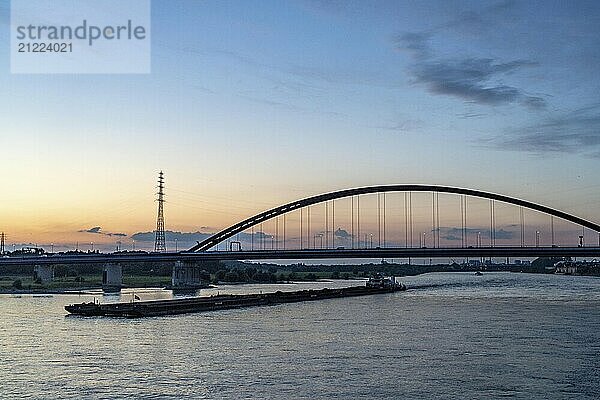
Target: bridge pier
{"points": [[43, 273], [112, 277], [188, 275]]}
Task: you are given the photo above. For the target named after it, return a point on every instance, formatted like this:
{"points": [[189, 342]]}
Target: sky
{"points": [[251, 104]]}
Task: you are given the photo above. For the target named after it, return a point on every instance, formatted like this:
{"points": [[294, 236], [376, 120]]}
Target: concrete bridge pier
{"points": [[112, 277], [188, 275], [45, 273]]}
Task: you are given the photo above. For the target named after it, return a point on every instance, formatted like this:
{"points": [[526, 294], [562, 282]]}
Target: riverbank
{"points": [[20, 284], [83, 279], [69, 286]]}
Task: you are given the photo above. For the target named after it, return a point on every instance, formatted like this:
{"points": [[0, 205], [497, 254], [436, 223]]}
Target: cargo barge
{"points": [[152, 308]]}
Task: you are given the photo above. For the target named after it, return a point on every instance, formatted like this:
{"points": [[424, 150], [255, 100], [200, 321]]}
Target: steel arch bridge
{"points": [[248, 223]]}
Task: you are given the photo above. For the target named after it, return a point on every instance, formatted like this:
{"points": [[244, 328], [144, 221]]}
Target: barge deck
{"points": [[153, 308]]}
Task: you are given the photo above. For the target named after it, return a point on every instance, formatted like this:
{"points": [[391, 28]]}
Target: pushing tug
{"points": [[381, 282], [136, 309]]}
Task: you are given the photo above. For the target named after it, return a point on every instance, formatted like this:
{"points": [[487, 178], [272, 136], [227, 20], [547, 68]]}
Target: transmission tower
{"points": [[159, 241]]}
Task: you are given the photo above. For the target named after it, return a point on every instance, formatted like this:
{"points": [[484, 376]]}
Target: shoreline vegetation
{"points": [[85, 278]]}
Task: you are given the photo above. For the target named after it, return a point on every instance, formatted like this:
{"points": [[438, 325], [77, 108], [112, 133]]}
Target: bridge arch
{"points": [[295, 205]]}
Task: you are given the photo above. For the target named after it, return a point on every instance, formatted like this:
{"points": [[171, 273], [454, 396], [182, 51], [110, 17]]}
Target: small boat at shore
{"points": [[137, 309]]}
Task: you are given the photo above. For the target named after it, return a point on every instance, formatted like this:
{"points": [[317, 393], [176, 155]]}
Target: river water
{"points": [[451, 336]]}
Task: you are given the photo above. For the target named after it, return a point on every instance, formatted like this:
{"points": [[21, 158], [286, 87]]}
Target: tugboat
{"points": [[380, 282]]}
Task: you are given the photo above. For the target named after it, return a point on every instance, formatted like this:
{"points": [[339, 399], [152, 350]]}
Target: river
{"points": [[451, 335]]}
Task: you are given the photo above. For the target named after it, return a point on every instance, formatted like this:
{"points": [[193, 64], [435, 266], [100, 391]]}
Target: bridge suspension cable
{"points": [[225, 234]]}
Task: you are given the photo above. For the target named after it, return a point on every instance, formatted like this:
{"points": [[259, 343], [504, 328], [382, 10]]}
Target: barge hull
{"points": [[222, 302]]}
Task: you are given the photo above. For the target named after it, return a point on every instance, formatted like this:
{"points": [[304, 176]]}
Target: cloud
{"points": [[272, 103], [468, 115], [342, 234], [95, 229], [484, 20], [417, 44], [576, 131], [477, 80], [455, 233], [502, 234], [193, 237], [184, 237], [98, 231], [408, 125], [258, 235]]}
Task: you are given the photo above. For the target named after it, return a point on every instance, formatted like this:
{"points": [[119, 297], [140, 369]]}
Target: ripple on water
{"points": [[455, 336]]}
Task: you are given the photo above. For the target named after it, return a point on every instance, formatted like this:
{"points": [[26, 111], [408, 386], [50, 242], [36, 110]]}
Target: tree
{"points": [[232, 276], [251, 273], [220, 275], [205, 275], [17, 284]]}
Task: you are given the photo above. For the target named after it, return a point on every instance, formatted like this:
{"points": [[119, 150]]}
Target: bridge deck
{"points": [[324, 254]]}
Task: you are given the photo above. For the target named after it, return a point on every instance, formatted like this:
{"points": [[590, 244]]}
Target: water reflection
{"points": [[452, 336]]}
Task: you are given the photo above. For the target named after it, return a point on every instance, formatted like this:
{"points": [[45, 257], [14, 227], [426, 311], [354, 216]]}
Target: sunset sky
{"points": [[251, 104]]}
